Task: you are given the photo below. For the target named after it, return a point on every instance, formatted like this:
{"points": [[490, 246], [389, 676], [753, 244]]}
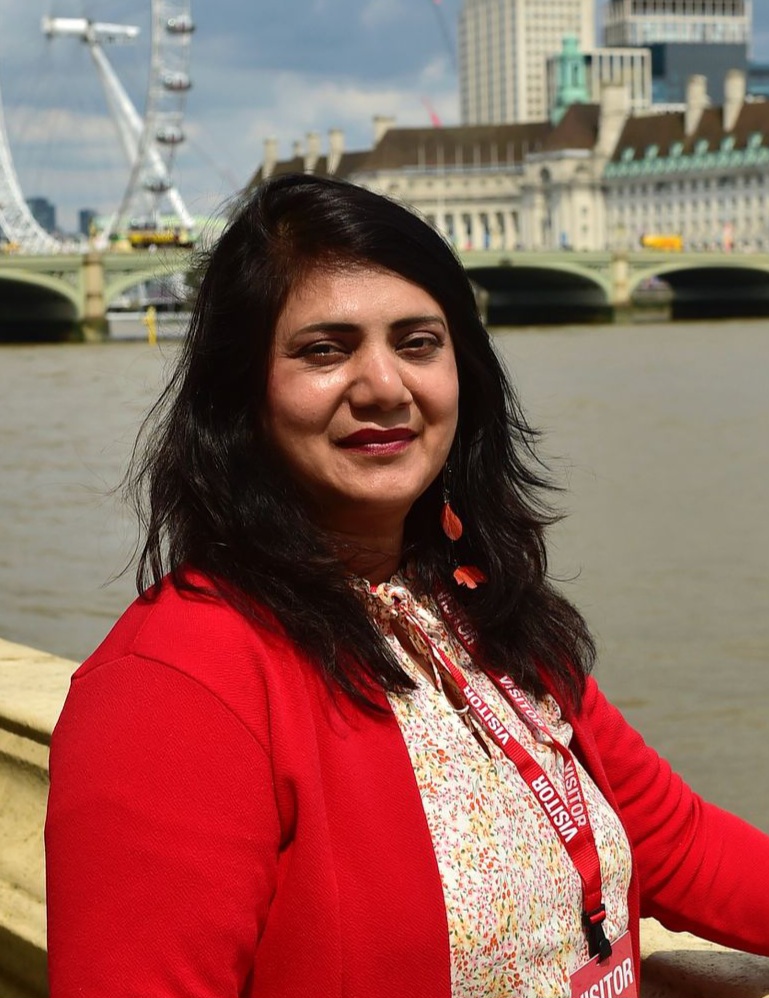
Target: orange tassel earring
{"points": [[450, 522], [469, 575], [464, 575]]}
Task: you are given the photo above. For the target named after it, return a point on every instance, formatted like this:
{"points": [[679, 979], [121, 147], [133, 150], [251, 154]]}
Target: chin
{"points": [[382, 502]]}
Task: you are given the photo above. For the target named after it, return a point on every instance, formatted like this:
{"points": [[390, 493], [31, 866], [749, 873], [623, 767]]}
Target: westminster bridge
{"points": [[564, 286], [70, 294]]}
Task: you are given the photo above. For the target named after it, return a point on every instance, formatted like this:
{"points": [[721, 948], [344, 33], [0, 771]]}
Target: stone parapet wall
{"points": [[32, 689], [33, 685]]}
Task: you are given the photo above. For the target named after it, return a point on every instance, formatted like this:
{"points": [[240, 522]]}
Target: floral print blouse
{"points": [[513, 897]]}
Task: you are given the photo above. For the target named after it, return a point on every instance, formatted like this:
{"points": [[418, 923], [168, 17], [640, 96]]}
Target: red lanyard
{"points": [[568, 817]]}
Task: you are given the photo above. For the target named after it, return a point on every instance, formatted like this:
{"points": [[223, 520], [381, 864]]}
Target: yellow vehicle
{"points": [[144, 238], [668, 241]]}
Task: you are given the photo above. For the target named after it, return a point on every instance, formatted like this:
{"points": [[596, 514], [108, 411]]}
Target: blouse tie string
{"points": [[569, 817]]}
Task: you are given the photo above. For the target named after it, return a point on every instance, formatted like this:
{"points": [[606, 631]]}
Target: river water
{"points": [[658, 432]]}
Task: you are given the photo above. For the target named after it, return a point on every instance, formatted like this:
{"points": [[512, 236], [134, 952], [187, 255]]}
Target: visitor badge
{"points": [[614, 978]]}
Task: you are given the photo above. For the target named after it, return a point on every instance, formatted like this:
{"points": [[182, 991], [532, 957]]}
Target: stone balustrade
{"points": [[33, 685]]}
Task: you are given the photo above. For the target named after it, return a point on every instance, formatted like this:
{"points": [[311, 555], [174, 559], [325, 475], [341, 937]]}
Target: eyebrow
{"points": [[333, 326]]}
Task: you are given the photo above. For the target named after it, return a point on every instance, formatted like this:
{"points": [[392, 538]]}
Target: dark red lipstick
{"points": [[376, 441]]}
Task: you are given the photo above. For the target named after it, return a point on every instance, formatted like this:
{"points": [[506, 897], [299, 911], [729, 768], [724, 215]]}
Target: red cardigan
{"points": [[220, 825]]}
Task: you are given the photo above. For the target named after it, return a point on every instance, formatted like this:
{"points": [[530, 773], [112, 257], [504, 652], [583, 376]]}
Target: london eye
{"points": [[143, 97]]}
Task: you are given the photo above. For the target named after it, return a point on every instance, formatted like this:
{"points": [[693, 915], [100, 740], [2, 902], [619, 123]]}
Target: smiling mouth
{"points": [[378, 441]]}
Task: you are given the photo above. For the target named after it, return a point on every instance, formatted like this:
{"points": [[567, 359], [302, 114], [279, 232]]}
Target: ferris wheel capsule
{"points": [[157, 184], [169, 135], [176, 81], [180, 25]]}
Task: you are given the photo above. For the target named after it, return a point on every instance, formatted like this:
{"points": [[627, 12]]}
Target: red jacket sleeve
{"points": [[162, 838], [700, 869]]}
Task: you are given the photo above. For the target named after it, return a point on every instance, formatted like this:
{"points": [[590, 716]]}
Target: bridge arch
{"points": [[154, 267], [713, 288], [37, 306], [541, 293]]}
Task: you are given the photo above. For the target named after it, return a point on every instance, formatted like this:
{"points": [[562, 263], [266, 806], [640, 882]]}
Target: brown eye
{"points": [[420, 344], [322, 351]]}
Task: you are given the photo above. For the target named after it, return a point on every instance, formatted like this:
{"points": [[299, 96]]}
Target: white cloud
{"points": [[36, 126], [300, 105]]}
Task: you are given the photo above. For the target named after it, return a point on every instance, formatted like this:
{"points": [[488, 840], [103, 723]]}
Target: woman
{"points": [[350, 745]]}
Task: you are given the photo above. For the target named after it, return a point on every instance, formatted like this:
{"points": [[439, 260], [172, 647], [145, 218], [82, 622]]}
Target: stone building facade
{"points": [[702, 173], [597, 179]]}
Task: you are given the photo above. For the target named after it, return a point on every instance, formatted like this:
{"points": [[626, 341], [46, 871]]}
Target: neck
{"points": [[372, 555]]}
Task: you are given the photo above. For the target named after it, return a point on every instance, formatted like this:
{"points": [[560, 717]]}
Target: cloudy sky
{"points": [[260, 68]]}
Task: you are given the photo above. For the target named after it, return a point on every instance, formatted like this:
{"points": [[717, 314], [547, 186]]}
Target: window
{"points": [[701, 147], [676, 149], [727, 143], [652, 151]]}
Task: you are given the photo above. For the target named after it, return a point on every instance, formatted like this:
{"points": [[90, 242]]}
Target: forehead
{"points": [[354, 294]]}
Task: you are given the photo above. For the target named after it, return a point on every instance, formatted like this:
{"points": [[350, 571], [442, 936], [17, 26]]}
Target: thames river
{"points": [[660, 434]]}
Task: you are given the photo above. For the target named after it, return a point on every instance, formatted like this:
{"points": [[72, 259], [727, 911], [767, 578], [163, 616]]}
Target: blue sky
{"points": [[260, 69]]}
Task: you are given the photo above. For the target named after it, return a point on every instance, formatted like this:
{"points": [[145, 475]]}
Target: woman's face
{"points": [[362, 396]]}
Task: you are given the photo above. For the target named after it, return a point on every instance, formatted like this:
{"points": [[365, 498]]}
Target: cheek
{"points": [[303, 404], [288, 407], [446, 402]]}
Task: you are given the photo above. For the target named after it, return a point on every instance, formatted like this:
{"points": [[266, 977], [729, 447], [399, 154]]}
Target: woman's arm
{"points": [[162, 838], [700, 868]]}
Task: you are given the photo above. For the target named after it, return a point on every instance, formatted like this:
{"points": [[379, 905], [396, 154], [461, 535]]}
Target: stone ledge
{"points": [[33, 685], [679, 965]]}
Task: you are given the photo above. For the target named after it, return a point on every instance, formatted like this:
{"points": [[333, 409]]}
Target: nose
{"points": [[378, 381]]}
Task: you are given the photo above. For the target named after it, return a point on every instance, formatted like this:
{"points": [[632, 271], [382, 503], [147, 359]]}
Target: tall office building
{"points": [[44, 213], [503, 50], [685, 37]]}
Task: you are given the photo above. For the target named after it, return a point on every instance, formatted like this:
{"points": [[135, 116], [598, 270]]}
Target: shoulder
{"points": [[200, 637]]}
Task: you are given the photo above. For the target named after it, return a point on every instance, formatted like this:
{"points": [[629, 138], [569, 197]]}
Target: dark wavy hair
{"points": [[212, 496]]}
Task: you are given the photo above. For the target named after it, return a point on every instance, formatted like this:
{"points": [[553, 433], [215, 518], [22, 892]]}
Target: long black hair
{"points": [[212, 496]]}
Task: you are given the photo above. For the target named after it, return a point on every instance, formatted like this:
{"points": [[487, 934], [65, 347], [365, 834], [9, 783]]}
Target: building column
{"points": [[512, 230], [496, 230], [477, 231]]}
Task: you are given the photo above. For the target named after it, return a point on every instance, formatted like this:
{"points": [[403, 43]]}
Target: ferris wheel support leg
{"points": [[181, 208], [127, 119]]}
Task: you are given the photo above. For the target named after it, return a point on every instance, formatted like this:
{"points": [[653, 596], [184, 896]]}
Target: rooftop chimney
{"points": [[615, 108], [696, 101], [270, 157], [382, 124], [734, 97], [335, 148], [312, 155]]}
